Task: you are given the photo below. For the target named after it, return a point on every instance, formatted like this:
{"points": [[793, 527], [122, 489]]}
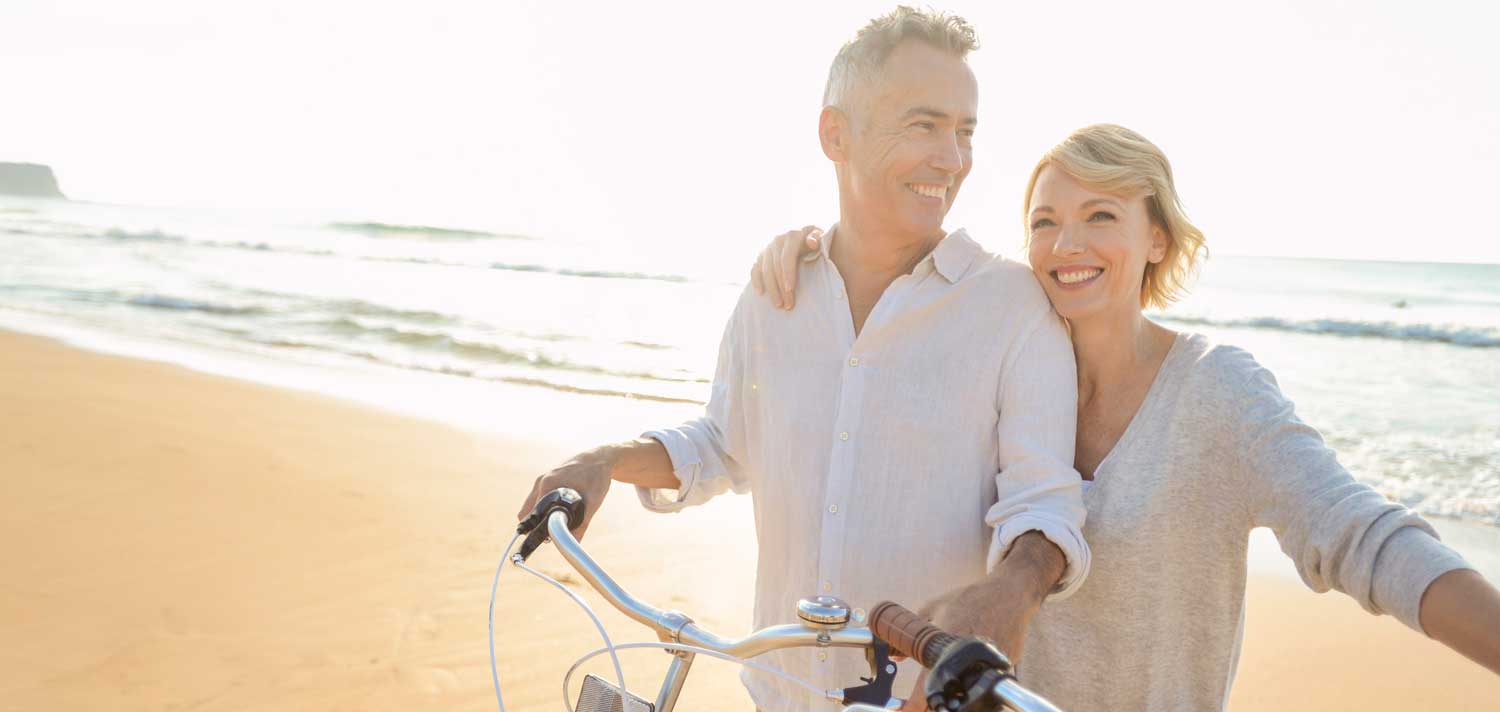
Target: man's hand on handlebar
{"points": [[642, 461], [588, 473]]}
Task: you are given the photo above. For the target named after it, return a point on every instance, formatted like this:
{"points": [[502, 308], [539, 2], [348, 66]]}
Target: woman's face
{"points": [[1089, 249]]}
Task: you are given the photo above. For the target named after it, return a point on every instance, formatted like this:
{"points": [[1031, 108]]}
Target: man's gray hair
{"points": [[861, 58]]}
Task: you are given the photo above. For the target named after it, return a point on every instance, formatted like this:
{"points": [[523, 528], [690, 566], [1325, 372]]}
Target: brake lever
{"points": [[876, 690]]}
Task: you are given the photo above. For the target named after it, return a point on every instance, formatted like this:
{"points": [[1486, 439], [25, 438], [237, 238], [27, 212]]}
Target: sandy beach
{"points": [[173, 540]]}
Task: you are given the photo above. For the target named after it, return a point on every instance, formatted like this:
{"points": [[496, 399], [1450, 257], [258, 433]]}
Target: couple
{"points": [[907, 431]]}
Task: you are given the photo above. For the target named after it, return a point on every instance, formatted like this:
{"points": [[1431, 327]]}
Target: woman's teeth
{"points": [[1076, 276]]}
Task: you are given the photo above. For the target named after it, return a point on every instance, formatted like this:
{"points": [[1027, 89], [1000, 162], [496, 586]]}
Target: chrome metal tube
{"points": [[778, 637], [761, 641], [638, 610], [1021, 699], [677, 674]]}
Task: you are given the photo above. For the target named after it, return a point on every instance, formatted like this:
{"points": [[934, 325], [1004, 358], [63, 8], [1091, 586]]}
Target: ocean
{"points": [[1398, 364]]}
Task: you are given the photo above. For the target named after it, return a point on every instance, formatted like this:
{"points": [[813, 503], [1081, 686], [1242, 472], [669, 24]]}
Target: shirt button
{"points": [[854, 361], [843, 436], [822, 656], [838, 295], [833, 508], [827, 586]]}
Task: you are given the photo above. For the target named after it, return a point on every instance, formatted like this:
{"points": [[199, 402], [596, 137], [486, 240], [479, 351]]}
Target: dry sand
{"points": [[172, 540]]}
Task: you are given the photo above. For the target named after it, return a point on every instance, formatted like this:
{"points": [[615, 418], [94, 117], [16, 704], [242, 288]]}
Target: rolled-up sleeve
{"points": [[1037, 488], [707, 452], [1341, 533]]}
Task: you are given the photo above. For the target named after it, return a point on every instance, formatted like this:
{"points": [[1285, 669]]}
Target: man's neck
{"points": [[866, 253]]}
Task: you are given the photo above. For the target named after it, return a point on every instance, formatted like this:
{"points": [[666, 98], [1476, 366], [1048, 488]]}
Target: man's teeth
{"points": [[1077, 276], [931, 191]]}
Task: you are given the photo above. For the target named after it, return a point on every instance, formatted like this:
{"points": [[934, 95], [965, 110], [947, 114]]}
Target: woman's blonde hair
{"points": [[1113, 159]]}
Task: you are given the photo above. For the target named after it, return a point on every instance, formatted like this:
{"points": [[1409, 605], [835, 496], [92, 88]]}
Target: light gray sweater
{"points": [[1214, 451]]}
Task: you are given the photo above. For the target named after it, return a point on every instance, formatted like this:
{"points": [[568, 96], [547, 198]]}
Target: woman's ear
{"points": [[1159, 243]]}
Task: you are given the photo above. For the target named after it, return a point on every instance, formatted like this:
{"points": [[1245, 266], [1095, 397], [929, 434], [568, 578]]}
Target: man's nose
{"points": [[948, 156]]}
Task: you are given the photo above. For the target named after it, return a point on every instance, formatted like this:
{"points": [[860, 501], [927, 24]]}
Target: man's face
{"points": [[909, 144]]}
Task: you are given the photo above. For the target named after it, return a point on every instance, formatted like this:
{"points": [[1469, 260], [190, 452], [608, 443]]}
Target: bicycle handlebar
{"points": [[678, 628], [903, 630]]}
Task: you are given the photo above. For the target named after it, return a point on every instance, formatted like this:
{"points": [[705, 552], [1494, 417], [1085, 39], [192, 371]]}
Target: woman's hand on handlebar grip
{"points": [[774, 273]]}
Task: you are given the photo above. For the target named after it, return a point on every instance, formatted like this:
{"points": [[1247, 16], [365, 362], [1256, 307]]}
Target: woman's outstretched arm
{"points": [[1462, 611]]}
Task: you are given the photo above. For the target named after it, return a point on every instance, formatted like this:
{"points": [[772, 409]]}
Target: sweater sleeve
{"points": [[1340, 533]]}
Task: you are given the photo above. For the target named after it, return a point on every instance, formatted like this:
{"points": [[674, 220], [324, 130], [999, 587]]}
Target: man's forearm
{"points": [[1001, 606], [643, 462], [1021, 581], [1033, 566]]}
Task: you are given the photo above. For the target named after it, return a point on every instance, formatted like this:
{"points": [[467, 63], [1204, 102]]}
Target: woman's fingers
{"points": [[774, 274], [794, 245], [790, 246], [768, 275], [810, 246]]}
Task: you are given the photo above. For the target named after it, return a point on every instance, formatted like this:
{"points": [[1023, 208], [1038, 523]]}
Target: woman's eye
{"points": [[1042, 223], [1101, 216]]}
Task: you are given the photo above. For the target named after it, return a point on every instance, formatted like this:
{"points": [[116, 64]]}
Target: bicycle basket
{"points": [[601, 696]]}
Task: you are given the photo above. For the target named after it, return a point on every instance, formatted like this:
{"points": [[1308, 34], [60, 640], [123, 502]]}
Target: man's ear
{"points": [[1159, 243], [833, 133]]}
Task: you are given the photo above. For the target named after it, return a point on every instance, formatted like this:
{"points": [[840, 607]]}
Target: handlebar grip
{"points": [[908, 633], [562, 499]]}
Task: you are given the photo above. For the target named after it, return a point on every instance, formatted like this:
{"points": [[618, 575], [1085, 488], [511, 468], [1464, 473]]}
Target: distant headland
{"points": [[31, 180]]}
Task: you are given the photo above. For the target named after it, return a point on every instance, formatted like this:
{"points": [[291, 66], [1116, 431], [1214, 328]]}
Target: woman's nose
{"points": [[1068, 243]]}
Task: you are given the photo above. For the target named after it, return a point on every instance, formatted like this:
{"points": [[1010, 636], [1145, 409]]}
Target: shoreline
{"points": [[177, 538]]}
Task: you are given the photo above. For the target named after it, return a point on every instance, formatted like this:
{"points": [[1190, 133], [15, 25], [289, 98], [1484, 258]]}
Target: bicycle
{"points": [[965, 674]]}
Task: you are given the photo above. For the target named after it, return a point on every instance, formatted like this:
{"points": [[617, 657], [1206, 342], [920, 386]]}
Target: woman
{"points": [[1185, 446]]}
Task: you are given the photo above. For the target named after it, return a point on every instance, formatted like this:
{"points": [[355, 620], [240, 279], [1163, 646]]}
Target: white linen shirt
{"points": [[897, 465]]}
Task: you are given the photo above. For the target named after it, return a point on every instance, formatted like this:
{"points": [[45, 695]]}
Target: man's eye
{"points": [[924, 125], [966, 133], [1101, 216], [1041, 223]]}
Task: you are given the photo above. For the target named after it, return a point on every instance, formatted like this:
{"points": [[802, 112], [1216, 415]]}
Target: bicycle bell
{"points": [[823, 612]]}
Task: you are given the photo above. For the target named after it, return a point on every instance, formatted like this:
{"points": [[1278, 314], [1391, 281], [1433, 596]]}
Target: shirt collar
{"points": [[951, 258]]}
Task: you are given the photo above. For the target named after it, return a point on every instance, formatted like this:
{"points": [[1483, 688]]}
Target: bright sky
{"points": [[1343, 129]]}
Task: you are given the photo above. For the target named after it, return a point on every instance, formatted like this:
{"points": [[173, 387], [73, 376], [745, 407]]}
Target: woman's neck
{"points": [[1114, 349]]}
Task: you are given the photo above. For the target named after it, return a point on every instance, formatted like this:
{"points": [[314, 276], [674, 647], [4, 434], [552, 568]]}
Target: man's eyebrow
{"points": [[935, 113], [924, 111]]}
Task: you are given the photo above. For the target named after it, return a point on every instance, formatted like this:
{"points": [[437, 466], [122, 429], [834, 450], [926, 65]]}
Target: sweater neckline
{"points": [[1148, 403]]}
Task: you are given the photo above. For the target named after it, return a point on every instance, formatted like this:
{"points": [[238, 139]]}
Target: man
{"points": [[887, 424]]}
